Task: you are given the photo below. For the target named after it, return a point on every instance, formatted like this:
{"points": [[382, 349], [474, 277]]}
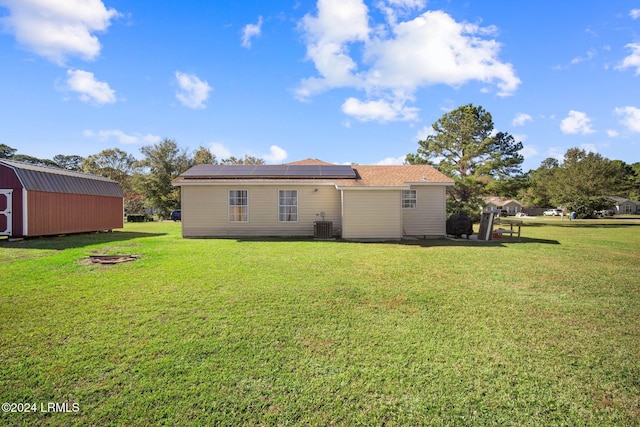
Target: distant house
{"points": [[37, 201], [492, 203], [296, 199], [624, 206]]}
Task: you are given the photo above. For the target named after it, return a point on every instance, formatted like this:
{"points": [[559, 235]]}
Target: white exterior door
{"points": [[5, 212]]}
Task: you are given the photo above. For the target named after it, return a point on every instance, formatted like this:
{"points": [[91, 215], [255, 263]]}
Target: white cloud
{"points": [[193, 92], [519, 137], [612, 133], [398, 58], [633, 60], [521, 119], [408, 4], [338, 23], [57, 29], [529, 151], [556, 153], [631, 118], [119, 135], [250, 31], [219, 150], [123, 138], [424, 133], [392, 161], [576, 122], [435, 49], [380, 110], [89, 89], [635, 13], [276, 155], [150, 139], [589, 148], [392, 9], [590, 54]]}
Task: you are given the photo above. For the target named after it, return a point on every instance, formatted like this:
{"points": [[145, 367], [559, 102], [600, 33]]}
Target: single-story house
{"points": [[624, 206], [492, 203], [309, 197], [38, 201]]}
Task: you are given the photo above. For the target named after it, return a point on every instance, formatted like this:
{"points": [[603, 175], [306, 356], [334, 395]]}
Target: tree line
{"points": [[146, 183], [463, 146]]}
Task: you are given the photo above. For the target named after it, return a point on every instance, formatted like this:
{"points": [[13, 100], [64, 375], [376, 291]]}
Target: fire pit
{"points": [[111, 259]]}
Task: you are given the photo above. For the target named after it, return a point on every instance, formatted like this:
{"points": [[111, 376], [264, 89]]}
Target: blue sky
{"points": [[341, 80]]}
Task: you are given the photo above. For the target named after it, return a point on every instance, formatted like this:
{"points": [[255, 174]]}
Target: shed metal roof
{"points": [[53, 180]]}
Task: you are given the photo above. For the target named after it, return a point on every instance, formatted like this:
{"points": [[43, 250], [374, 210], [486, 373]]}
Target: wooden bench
{"points": [[514, 227]]}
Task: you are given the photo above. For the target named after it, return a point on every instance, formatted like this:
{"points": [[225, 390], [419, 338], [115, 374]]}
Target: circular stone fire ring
{"points": [[111, 259]]}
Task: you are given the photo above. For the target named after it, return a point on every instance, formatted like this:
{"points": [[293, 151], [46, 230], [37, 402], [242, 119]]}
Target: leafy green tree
{"points": [[34, 160], [246, 160], [134, 203], [71, 163], [204, 156], [119, 166], [513, 187], [114, 164], [583, 175], [163, 163], [465, 148], [581, 182], [6, 152], [538, 193], [629, 177], [634, 193], [586, 207]]}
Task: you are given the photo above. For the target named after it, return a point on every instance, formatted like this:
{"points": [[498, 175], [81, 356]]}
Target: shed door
{"points": [[5, 212]]}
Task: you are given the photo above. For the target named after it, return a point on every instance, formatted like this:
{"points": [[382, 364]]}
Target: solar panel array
{"points": [[270, 171]]}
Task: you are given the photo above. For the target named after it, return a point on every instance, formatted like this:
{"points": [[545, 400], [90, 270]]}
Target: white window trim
{"points": [[229, 206], [414, 199], [279, 206]]}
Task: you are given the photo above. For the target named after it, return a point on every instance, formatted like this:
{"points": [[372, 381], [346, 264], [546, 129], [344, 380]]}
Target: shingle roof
{"points": [[367, 176], [309, 161], [395, 176], [499, 201], [54, 180]]}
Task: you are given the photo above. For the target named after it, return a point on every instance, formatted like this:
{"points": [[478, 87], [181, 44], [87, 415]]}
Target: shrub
{"points": [[585, 208]]}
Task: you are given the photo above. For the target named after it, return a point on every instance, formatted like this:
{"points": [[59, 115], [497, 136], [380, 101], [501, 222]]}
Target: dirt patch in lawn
{"points": [[109, 259]]}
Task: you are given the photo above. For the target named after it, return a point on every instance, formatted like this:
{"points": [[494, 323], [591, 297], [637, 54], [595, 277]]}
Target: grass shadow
{"points": [[426, 243], [621, 222], [71, 241]]}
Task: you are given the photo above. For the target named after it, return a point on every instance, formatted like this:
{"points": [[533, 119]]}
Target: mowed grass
{"points": [[287, 332]]}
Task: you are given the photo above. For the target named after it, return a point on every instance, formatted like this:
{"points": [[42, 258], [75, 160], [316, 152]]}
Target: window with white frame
{"points": [[238, 205], [287, 205], [409, 199]]}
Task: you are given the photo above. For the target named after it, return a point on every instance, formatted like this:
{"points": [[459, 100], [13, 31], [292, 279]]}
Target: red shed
{"points": [[37, 201]]}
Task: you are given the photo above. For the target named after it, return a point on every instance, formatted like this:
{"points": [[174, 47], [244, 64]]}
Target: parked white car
{"points": [[552, 212]]}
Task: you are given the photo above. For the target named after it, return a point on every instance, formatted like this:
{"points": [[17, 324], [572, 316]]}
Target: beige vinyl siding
{"points": [[371, 214], [428, 219], [205, 210]]}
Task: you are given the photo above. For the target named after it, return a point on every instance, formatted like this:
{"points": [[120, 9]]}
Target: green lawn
{"points": [[281, 332]]}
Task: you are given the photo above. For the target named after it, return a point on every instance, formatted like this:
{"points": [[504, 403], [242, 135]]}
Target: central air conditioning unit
{"points": [[323, 229]]}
